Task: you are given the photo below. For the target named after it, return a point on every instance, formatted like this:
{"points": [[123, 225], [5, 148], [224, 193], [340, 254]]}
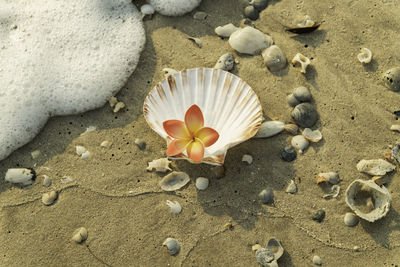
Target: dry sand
{"points": [[122, 205]]}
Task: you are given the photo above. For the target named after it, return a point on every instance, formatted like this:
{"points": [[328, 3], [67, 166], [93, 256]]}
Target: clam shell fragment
{"points": [[174, 181], [301, 60], [312, 136], [365, 56], [172, 245], [274, 58], [175, 207], [369, 201], [330, 177], [20, 176], [375, 166], [159, 165], [249, 41]]}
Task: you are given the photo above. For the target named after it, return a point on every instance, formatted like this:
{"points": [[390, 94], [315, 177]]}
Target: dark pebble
{"points": [[251, 13], [259, 4], [305, 115], [141, 144], [319, 216], [266, 196], [288, 154]]}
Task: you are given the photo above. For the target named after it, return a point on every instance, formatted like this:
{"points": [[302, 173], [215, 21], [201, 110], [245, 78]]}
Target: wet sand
{"points": [[122, 205]]}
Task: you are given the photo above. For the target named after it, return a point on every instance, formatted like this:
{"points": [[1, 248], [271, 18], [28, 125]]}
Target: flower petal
{"points": [[207, 135], [195, 150], [177, 146], [194, 119], [176, 129]]}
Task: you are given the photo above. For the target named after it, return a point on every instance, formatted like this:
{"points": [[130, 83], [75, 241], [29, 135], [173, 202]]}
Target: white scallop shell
{"points": [[229, 106]]}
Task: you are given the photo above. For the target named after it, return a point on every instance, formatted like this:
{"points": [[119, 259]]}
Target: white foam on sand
{"points": [[61, 57], [174, 7]]}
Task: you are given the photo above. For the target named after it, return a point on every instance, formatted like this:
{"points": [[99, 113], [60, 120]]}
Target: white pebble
{"points": [[202, 183], [46, 181], [85, 155], [247, 158], [317, 260], [291, 188], [106, 144], [49, 198]]}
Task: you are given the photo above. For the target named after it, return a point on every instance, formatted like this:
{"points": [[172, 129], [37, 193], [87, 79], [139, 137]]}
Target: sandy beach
{"points": [[124, 209]]}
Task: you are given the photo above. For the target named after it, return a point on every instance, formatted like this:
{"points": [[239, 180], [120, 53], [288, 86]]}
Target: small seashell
{"points": [[292, 100], [197, 41], [49, 198], [80, 235], [319, 216], [275, 247], [375, 166], [350, 219], [200, 15], [274, 58], [112, 101], [365, 56], [288, 154], [120, 105], [106, 144], [312, 136], [35, 154], [368, 200], [202, 183], [159, 165], [46, 181], [270, 128], [306, 26], [305, 115], [259, 4], [226, 30], [174, 181], [249, 41], [251, 12], [20, 176], [331, 177], [307, 22], [225, 62], [395, 127], [392, 79], [168, 72], [302, 94], [299, 143], [317, 260], [247, 158], [302, 60], [176, 208], [291, 188], [172, 245], [147, 9], [266, 196], [396, 153], [85, 155], [265, 257], [291, 128], [335, 191], [255, 247], [89, 129], [80, 150], [140, 143]]}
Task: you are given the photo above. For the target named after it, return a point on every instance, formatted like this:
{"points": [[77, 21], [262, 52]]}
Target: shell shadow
{"points": [[311, 76], [372, 66], [312, 39]]}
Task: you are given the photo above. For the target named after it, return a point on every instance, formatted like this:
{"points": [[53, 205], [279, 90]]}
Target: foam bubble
{"points": [[174, 7], [60, 58]]}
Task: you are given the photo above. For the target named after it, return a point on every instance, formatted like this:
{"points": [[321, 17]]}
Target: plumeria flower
{"points": [[190, 135]]}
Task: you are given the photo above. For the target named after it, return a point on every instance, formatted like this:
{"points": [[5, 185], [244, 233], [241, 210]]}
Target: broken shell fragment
{"points": [[247, 158], [225, 62], [391, 79], [312, 136], [299, 143], [112, 101], [330, 177], [226, 30], [395, 127], [291, 188], [202, 183], [301, 60], [365, 56], [80, 150], [275, 246], [335, 190], [197, 41], [175, 207], [172, 245], [291, 128], [369, 201], [306, 26], [20, 176], [249, 41], [274, 58], [106, 144], [307, 22], [304, 115], [159, 165], [79, 235], [270, 128], [119, 106], [49, 198], [375, 166], [174, 181]]}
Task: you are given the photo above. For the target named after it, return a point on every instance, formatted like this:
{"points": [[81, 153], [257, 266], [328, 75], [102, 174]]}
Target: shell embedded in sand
{"points": [[202, 183], [270, 128], [391, 79], [225, 100], [176, 208], [80, 235], [159, 165], [172, 245], [330, 177], [305, 26], [369, 201], [301, 60], [226, 30], [225, 62], [174, 181], [249, 41], [274, 58], [49, 198], [365, 56], [20, 176], [270, 255], [299, 143], [312, 136], [375, 166], [335, 191]]}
